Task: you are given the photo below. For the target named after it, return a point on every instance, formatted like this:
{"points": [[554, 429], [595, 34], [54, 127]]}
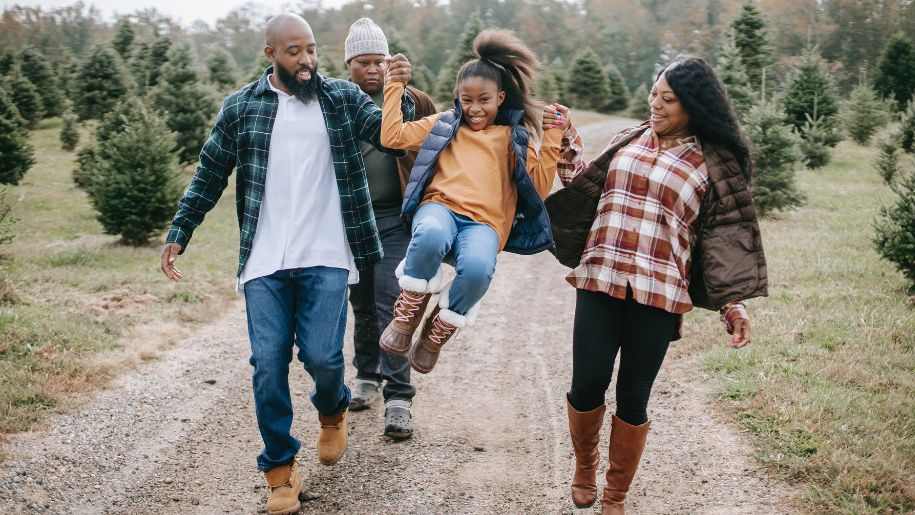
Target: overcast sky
{"points": [[186, 11]]}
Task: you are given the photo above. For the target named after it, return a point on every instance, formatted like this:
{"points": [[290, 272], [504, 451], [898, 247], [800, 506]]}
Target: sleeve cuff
{"points": [[178, 235]]}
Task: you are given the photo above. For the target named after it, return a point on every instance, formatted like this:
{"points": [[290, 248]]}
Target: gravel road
{"points": [[178, 435]]}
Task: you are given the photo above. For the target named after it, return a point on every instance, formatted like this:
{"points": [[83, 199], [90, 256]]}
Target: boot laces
{"points": [[440, 332], [408, 305]]}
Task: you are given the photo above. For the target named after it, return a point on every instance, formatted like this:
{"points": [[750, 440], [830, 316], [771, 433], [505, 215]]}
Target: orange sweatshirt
{"points": [[473, 174]]}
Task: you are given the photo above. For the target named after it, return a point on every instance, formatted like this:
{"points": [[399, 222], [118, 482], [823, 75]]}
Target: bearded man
{"points": [[306, 226]]}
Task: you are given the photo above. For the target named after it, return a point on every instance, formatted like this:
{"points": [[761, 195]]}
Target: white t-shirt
{"points": [[300, 223]]}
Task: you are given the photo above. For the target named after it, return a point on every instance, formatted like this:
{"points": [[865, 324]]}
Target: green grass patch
{"points": [[69, 294], [827, 388]]}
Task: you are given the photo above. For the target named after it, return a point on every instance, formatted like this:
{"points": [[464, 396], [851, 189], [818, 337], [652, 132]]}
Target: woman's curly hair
{"points": [[711, 115]]}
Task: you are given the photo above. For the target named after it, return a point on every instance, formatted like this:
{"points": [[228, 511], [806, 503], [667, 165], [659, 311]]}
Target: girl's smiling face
{"points": [[480, 101]]}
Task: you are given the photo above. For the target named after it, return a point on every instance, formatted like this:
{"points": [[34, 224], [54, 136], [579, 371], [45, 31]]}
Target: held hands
{"points": [[399, 69], [556, 116], [737, 323], [169, 253]]}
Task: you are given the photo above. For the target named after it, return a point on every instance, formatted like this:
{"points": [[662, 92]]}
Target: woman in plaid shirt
{"points": [[675, 228]]}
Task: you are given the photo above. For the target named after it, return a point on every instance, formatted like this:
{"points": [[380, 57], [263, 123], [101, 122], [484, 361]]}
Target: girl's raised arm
{"points": [[395, 133]]}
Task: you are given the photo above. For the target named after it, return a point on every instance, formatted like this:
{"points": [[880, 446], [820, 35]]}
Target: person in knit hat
{"points": [[365, 51]]}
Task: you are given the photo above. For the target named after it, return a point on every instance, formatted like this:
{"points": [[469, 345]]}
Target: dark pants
{"points": [[604, 326], [373, 307], [307, 307]]}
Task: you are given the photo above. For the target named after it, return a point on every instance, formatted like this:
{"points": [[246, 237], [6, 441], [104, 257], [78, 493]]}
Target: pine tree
{"points": [[588, 86], [6, 219], [123, 38], [907, 128], [558, 71], [397, 45], [638, 104], [811, 94], [752, 44], [26, 98], [7, 62], [618, 98], [136, 186], [460, 55], [895, 77], [863, 113], [423, 79], [18, 154], [101, 84], [139, 67], [8, 109], [329, 69], [35, 67], [895, 229], [69, 133], [815, 143], [158, 56], [547, 89], [131, 111], [185, 103], [221, 67], [734, 77], [887, 164], [261, 64], [775, 155]]}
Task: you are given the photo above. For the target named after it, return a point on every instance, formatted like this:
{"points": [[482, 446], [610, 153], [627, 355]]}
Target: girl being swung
{"points": [[476, 188]]}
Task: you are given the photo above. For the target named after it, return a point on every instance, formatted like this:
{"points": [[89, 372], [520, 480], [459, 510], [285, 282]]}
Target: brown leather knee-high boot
{"points": [[626, 445], [585, 426]]}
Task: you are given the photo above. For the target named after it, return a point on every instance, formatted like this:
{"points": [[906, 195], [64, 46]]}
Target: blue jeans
{"points": [[305, 306], [473, 247]]}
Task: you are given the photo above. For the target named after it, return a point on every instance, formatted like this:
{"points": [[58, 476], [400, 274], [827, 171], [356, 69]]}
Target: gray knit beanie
{"points": [[364, 38]]}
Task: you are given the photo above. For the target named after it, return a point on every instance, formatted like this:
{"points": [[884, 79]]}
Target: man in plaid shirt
{"points": [[306, 226]]}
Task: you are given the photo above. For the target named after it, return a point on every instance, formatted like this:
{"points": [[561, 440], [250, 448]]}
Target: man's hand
{"points": [[399, 69], [556, 116], [169, 254]]}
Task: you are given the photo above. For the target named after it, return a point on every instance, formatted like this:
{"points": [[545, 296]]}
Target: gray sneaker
{"points": [[398, 419], [365, 393]]}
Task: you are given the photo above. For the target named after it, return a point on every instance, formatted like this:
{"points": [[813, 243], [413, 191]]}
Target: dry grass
{"points": [[76, 305], [827, 388]]}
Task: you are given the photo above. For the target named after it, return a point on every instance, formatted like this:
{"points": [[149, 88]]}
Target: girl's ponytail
{"points": [[505, 59]]}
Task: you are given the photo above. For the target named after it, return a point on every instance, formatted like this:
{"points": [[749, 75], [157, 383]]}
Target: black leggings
{"points": [[605, 325]]}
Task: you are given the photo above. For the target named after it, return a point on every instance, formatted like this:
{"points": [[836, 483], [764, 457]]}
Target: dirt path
{"points": [[179, 435]]}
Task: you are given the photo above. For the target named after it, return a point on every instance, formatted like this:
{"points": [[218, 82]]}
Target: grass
{"points": [[73, 299], [827, 388]]}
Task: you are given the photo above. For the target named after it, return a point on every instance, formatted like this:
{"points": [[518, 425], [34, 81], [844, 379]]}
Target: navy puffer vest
{"points": [[530, 232]]}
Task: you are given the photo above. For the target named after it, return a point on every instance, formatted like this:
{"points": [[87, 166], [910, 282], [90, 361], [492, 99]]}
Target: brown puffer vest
{"points": [[728, 262]]}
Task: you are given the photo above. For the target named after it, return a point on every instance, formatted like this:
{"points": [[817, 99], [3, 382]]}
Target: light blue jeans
{"points": [[471, 246]]}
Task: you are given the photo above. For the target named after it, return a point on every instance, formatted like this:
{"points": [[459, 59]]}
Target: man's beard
{"points": [[304, 91]]}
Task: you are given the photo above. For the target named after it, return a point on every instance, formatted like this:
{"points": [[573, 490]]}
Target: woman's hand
{"points": [[556, 116], [737, 323]]}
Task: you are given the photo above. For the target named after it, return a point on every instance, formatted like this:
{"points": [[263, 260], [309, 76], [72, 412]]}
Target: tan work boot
{"points": [[284, 483], [584, 426], [626, 445], [408, 313], [441, 326], [332, 438]]}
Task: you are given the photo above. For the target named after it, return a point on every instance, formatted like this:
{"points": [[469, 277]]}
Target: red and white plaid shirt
{"points": [[643, 231]]}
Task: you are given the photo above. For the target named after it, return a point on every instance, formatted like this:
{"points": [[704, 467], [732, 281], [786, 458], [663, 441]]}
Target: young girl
{"points": [[476, 188]]}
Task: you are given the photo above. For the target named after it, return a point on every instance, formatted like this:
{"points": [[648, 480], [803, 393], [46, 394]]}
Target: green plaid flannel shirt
{"points": [[241, 139]]}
